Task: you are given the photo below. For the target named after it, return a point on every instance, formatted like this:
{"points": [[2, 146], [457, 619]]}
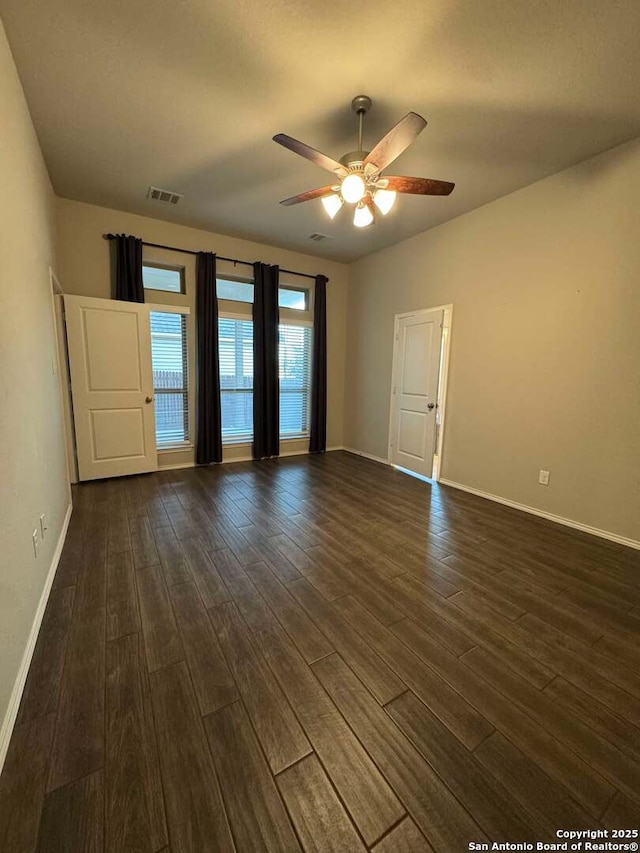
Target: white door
{"points": [[414, 393], [112, 386]]}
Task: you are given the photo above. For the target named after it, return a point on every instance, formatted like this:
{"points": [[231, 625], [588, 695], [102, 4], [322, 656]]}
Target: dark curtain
{"points": [[209, 431], [129, 268], [318, 438], [266, 381]]}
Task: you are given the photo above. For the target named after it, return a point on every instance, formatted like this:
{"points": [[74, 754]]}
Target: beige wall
{"points": [[32, 457], [545, 360], [84, 267]]}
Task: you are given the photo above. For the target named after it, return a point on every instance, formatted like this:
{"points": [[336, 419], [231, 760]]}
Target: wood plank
{"points": [[143, 544], [481, 630], [378, 677], [68, 570], [134, 809], [620, 770], [463, 720], [42, 688], [445, 823], [311, 643], [73, 818], [161, 639], [622, 813], [195, 812], [268, 553], [279, 732], [91, 590], [78, 747], [370, 801], [547, 802], [236, 542], [404, 838], [212, 680], [317, 813], [210, 585], [491, 805], [251, 604], [596, 715], [256, 813], [22, 784], [123, 616], [559, 762], [171, 557]]}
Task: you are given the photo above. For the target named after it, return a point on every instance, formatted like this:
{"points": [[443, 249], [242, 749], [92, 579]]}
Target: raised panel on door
{"points": [[415, 391], [112, 386]]}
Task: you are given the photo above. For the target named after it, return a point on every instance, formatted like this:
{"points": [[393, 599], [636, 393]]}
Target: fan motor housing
{"points": [[354, 159]]}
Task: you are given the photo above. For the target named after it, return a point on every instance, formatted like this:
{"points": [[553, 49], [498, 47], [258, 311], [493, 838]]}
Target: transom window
{"points": [[294, 298], [163, 277]]}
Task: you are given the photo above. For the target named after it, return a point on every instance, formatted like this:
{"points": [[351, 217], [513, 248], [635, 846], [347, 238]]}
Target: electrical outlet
{"points": [[34, 536], [43, 526], [543, 477]]}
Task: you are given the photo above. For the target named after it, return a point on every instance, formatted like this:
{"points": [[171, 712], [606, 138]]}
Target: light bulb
{"points": [[332, 204], [353, 188], [384, 200], [363, 216]]}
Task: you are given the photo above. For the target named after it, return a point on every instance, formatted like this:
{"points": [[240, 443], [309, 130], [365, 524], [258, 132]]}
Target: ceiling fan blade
{"points": [[321, 192], [419, 186], [396, 141], [316, 157]]}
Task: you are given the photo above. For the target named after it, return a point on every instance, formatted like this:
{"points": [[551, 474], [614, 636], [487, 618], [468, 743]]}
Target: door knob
{"points": [[148, 399], [431, 406]]}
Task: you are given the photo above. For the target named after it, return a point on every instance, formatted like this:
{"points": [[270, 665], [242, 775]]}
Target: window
{"points": [[290, 297], [235, 339], [235, 291], [163, 277], [296, 299], [169, 360], [294, 352]]}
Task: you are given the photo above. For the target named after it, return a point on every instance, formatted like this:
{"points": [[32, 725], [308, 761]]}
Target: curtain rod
{"points": [[219, 257]]}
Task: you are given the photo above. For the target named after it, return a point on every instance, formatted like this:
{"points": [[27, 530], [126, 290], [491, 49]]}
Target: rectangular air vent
{"points": [[165, 196], [318, 237]]}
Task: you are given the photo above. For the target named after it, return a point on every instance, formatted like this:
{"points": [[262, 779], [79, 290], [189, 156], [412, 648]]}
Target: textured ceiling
{"points": [[187, 95]]}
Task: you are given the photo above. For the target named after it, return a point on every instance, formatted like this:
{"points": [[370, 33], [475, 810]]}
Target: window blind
{"points": [[295, 379], [235, 341], [170, 364]]}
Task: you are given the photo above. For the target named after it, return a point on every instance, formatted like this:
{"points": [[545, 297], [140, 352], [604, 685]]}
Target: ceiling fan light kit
{"points": [[361, 183]]}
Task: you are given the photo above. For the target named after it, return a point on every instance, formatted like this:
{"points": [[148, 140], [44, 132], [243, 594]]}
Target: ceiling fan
{"points": [[359, 172]]}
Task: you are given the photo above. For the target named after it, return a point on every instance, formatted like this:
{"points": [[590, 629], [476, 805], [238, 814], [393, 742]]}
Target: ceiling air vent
{"points": [[165, 196], [318, 237]]}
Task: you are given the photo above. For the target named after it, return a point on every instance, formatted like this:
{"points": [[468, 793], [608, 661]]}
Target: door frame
{"points": [[64, 382], [443, 380]]}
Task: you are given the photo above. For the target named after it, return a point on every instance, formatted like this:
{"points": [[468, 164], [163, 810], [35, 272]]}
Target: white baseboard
{"points": [[16, 694], [245, 459], [558, 519], [367, 455], [174, 467]]}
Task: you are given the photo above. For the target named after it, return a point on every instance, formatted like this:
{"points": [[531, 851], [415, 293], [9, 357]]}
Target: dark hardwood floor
{"points": [[323, 654]]}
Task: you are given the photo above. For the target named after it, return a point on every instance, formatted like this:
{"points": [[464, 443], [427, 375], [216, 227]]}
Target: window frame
{"points": [[245, 438], [309, 325], [307, 298], [158, 265], [185, 311]]}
